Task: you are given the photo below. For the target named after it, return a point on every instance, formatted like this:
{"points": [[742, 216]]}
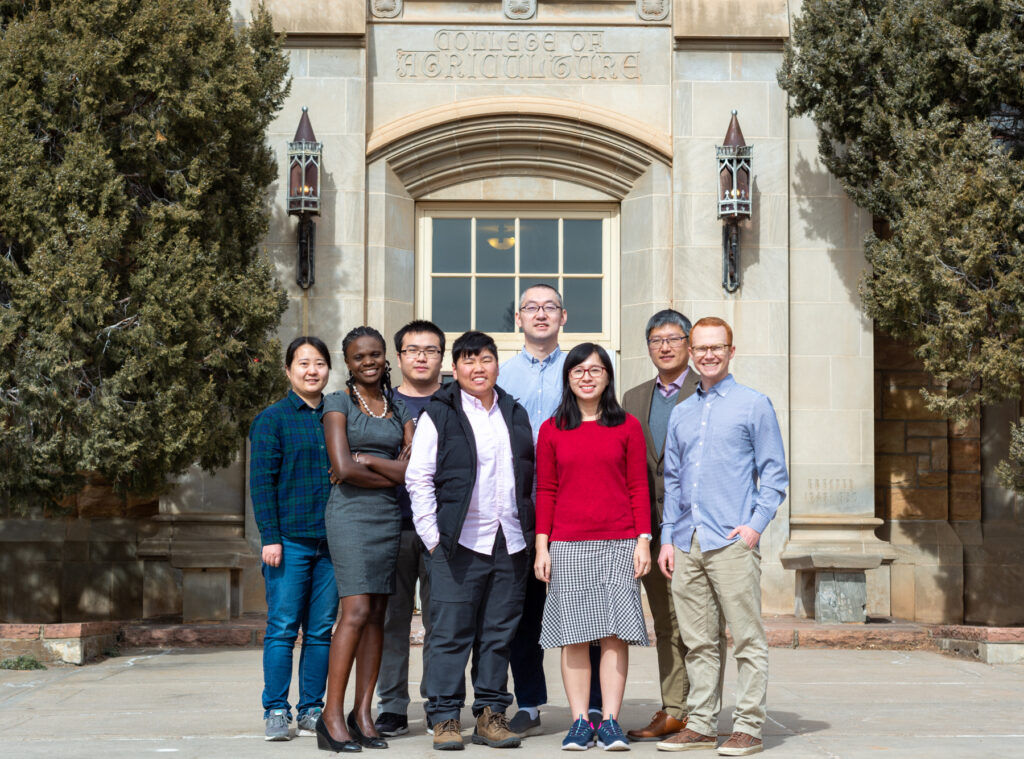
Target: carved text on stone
{"points": [[576, 55]]}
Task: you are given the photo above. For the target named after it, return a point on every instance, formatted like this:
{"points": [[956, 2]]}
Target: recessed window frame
{"points": [[510, 342]]}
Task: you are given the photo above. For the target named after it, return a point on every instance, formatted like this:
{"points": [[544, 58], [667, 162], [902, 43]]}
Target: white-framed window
{"points": [[473, 260]]}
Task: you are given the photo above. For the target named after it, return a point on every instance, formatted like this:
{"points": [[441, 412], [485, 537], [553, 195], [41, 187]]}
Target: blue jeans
{"points": [[300, 593]]}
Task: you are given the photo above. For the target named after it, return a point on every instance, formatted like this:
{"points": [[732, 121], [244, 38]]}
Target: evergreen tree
{"points": [[136, 313], [919, 106]]}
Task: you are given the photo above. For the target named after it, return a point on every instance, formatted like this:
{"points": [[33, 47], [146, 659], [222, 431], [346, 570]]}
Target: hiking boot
{"points": [[492, 730], [448, 735], [741, 744]]}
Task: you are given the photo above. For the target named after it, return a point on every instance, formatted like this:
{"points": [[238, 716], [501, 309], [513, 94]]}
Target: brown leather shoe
{"points": [[688, 740], [662, 726], [492, 730], [741, 744], [448, 736]]}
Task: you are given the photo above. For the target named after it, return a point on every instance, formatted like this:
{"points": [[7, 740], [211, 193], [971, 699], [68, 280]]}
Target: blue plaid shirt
{"points": [[725, 466], [288, 478]]}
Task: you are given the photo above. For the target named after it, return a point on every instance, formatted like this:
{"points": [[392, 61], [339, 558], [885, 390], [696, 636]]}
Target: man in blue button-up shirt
{"points": [[725, 476]]}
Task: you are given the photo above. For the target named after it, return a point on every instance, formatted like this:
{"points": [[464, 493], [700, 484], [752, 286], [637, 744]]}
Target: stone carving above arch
{"points": [[653, 10], [538, 137], [519, 9], [386, 8]]}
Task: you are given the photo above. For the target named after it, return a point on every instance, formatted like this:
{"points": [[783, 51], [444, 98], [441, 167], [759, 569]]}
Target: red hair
{"points": [[712, 321]]}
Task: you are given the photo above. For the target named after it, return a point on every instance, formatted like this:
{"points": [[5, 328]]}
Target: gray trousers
{"points": [[393, 682], [475, 604]]}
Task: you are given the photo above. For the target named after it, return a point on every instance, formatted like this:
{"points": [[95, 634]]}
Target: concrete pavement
{"points": [[821, 703]]}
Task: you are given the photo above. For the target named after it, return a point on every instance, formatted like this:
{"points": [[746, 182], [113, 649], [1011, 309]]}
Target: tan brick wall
{"points": [[926, 467]]}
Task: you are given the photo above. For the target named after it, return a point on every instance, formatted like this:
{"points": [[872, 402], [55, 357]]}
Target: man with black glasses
{"points": [[420, 347]]}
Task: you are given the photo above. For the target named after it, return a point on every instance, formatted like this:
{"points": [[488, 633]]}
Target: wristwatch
{"points": [[646, 535]]}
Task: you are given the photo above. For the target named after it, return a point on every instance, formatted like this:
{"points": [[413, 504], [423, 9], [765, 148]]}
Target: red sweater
{"points": [[592, 482]]}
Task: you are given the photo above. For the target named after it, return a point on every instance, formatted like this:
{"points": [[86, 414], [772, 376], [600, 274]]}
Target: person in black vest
{"points": [[470, 479]]}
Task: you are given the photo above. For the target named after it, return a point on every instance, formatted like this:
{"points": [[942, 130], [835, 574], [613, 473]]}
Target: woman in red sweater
{"points": [[593, 538]]}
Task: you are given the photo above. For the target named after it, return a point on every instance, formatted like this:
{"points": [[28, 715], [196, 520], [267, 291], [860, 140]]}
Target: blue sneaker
{"points": [[610, 736], [580, 736]]}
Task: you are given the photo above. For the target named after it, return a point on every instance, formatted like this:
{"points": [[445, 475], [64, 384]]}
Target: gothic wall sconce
{"points": [[305, 155], [735, 159]]}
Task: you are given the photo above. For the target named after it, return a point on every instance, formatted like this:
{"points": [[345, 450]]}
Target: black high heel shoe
{"points": [[325, 742], [364, 740]]}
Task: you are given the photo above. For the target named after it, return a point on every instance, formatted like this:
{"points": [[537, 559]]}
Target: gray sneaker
{"points": [[307, 722], [277, 726], [523, 724]]}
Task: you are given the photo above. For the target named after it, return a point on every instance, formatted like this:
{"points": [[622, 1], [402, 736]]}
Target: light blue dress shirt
{"points": [[725, 466], [536, 384]]}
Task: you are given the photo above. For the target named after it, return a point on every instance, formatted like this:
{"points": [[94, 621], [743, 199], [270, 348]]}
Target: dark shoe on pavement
{"points": [[580, 736], [610, 736], [391, 724], [662, 726], [741, 744], [523, 724], [492, 730], [688, 740], [448, 736], [595, 715]]}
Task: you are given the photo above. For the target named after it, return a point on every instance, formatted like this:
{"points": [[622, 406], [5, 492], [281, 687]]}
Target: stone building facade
{"points": [[473, 147]]}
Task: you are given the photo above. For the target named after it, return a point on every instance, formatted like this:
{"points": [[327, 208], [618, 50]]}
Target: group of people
{"points": [[529, 505]]}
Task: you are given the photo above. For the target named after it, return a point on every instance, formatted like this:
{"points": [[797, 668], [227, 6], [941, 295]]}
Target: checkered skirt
{"points": [[592, 594]]}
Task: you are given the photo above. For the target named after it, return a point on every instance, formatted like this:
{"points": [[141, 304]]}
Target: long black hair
{"points": [[568, 416], [385, 376]]}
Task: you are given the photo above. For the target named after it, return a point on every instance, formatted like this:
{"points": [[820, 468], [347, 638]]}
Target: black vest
{"points": [[456, 462]]}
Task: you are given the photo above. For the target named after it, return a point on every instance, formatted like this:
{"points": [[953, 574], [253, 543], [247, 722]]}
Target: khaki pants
{"points": [[706, 587]]}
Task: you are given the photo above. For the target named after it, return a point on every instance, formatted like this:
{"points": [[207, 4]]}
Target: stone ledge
{"points": [[981, 634]]}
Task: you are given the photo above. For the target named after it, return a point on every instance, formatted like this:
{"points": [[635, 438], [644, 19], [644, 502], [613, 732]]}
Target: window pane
{"points": [[583, 303], [538, 245], [450, 303], [451, 245], [495, 246], [581, 239], [495, 304]]}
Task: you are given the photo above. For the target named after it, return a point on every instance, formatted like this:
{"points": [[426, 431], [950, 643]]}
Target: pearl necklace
{"points": [[366, 407]]}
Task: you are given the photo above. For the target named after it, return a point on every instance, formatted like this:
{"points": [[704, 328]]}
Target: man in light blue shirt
{"points": [[534, 378], [725, 477]]}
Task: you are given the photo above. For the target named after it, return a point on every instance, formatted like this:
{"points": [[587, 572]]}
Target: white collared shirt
{"points": [[493, 501]]}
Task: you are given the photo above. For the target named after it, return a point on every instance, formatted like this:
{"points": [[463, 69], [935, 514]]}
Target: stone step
{"points": [[79, 642]]}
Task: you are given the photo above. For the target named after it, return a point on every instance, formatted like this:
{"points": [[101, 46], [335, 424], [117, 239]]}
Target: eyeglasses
{"points": [[675, 341], [595, 372], [718, 350], [414, 350], [532, 308]]}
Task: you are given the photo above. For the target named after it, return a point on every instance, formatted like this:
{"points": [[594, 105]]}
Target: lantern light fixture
{"points": [[305, 156], [735, 161]]}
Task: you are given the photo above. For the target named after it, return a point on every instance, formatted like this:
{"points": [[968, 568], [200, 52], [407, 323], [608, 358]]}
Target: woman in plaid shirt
{"points": [[289, 483]]}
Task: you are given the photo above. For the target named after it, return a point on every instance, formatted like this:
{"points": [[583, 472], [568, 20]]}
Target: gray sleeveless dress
{"points": [[364, 525]]}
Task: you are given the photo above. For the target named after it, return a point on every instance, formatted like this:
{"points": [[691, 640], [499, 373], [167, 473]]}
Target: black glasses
{"points": [[675, 341], [414, 350], [547, 308]]}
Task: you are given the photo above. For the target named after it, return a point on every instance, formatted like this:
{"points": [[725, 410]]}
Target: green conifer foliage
{"points": [[136, 312], [919, 106]]}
